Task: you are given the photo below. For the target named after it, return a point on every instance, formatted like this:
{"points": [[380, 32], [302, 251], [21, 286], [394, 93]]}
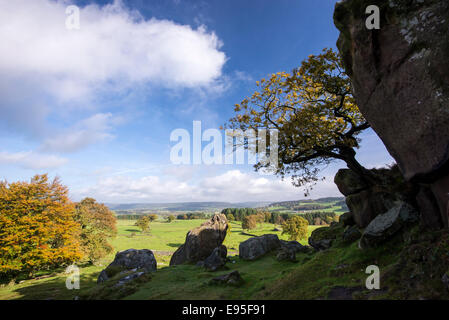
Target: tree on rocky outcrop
{"points": [[143, 223], [98, 225], [315, 114], [296, 227]]}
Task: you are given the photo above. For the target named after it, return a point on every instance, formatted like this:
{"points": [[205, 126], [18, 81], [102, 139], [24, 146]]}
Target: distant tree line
{"points": [[238, 213], [313, 218], [191, 216]]}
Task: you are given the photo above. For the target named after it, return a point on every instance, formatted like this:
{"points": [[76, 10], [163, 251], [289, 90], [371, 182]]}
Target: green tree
{"points": [[152, 217], [170, 218], [249, 222], [315, 114], [296, 227], [230, 217], [143, 223], [98, 225]]}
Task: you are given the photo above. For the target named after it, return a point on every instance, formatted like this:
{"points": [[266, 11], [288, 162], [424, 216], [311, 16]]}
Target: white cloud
{"points": [[32, 160], [112, 44], [47, 70], [88, 131], [232, 186]]}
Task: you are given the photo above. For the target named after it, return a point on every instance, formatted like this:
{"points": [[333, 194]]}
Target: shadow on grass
{"points": [[174, 245], [52, 288]]}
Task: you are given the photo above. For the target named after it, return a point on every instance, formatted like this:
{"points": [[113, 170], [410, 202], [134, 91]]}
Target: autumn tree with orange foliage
{"points": [[37, 227], [98, 225]]}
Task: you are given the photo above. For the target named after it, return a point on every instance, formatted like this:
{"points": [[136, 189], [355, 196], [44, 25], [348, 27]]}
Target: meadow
{"points": [[163, 239]]}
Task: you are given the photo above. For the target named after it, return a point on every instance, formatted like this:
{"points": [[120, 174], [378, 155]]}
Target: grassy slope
{"points": [[164, 238], [312, 277]]}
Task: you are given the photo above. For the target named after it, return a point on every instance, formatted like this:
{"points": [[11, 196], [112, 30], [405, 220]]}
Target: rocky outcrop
{"points": [[217, 259], [256, 247], [384, 226], [348, 182], [347, 219], [368, 204], [351, 234], [400, 77], [365, 201], [137, 261], [201, 241]]}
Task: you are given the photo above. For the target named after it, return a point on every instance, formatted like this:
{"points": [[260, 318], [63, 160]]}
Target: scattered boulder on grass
{"points": [[295, 246], [256, 247], [201, 241], [322, 238], [129, 260], [217, 259], [384, 226], [233, 279], [286, 254]]}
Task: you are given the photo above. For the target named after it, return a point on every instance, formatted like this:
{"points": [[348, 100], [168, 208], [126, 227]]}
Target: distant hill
{"points": [[184, 206], [290, 204]]}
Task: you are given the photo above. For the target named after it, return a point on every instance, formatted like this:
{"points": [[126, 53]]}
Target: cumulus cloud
{"points": [[113, 43], [32, 160], [48, 70], [232, 186]]}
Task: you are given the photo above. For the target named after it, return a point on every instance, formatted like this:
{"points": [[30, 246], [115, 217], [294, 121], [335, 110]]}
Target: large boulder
{"points": [[348, 182], [140, 261], [384, 226], [201, 241], [323, 238], [368, 204], [233, 279], [256, 247], [217, 259], [400, 77]]}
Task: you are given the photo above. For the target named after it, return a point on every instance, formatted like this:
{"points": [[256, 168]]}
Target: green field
{"points": [[164, 238]]}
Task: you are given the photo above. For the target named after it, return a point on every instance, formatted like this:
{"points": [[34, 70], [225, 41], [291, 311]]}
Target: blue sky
{"points": [[96, 105]]}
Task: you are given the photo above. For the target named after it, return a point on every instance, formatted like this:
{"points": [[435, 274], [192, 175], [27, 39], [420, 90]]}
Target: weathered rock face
{"points": [[367, 205], [400, 77], [384, 226], [217, 259], [347, 219], [256, 247], [348, 182], [351, 234], [364, 201], [131, 259], [201, 241]]}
